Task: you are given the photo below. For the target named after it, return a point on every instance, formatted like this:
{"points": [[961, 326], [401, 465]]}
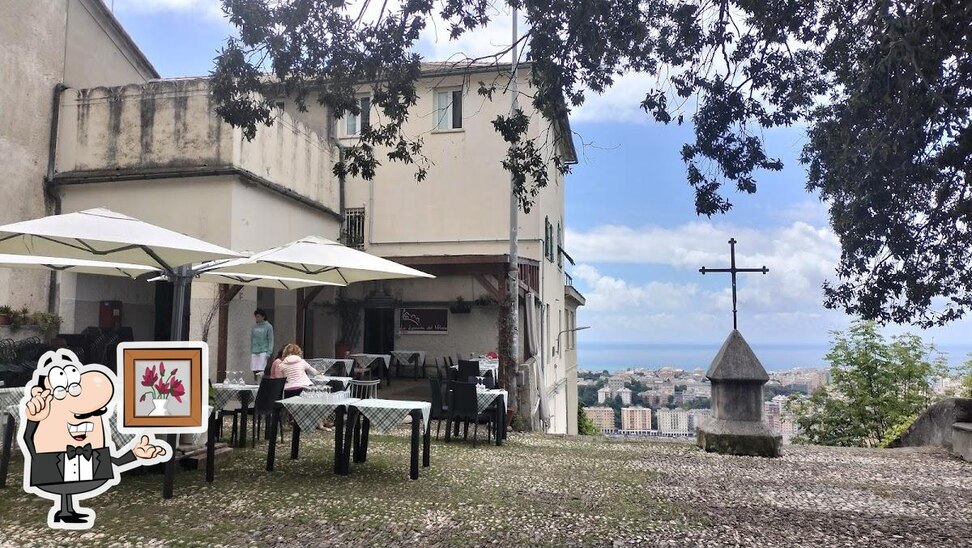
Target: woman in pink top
{"points": [[293, 368]]}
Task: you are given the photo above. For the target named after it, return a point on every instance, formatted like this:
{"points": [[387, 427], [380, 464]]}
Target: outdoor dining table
{"points": [[368, 360], [323, 365], [10, 416], [224, 393], [308, 412], [321, 380], [404, 357], [484, 366]]}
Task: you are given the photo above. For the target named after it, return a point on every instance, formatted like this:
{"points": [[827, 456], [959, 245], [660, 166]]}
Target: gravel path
{"points": [[535, 490]]}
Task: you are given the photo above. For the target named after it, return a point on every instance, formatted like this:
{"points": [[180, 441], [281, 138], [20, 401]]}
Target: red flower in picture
{"points": [[149, 377], [161, 368], [162, 387], [177, 389]]}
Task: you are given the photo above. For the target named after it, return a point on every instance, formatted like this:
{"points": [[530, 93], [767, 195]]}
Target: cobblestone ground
{"points": [[535, 490]]}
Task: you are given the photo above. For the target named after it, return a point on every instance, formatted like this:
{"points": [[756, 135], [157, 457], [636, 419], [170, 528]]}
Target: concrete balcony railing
{"points": [[170, 128]]}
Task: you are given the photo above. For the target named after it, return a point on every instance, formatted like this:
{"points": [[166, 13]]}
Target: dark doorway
{"points": [[163, 312], [379, 330]]}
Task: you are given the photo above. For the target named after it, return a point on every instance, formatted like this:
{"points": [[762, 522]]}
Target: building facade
{"points": [[100, 129], [602, 417], [673, 421], [636, 419]]}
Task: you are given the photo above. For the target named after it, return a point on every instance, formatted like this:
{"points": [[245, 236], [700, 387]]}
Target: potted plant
{"points": [[6, 313], [460, 306], [349, 314]]}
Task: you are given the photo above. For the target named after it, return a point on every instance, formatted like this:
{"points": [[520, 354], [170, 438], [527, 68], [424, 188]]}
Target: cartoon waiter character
{"points": [[67, 453]]}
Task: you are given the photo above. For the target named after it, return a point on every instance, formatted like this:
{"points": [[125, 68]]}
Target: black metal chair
{"points": [[439, 411], [488, 380], [467, 369], [270, 391], [463, 405]]}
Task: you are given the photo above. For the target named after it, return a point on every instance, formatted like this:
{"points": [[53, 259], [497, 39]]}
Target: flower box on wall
{"points": [[460, 307]]}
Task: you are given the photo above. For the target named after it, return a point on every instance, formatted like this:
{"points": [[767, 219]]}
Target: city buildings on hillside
{"points": [[636, 419], [614, 388], [776, 416], [602, 417]]}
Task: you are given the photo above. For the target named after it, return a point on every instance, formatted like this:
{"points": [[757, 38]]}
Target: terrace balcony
{"points": [[169, 129]]}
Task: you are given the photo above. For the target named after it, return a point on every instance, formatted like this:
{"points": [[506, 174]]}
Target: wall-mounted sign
{"points": [[413, 321]]}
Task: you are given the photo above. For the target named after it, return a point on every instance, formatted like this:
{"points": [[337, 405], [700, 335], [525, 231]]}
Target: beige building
{"points": [[673, 421], [87, 123], [636, 419], [602, 417]]}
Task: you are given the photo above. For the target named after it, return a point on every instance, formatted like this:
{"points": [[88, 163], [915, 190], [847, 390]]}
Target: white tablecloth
{"points": [[225, 393], [323, 365], [484, 366], [309, 412], [324, 379], [386, 414], [403, 356], [366, 360]]}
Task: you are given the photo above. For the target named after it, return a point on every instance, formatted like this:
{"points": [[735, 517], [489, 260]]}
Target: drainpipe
{"points": [[52, 200]]}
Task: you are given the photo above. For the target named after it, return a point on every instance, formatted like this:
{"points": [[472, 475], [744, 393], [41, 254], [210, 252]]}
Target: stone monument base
{"points": [[748, 438]]}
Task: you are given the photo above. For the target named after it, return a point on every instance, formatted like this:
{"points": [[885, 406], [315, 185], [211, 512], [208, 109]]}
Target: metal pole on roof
{"points": [[513, 279]]}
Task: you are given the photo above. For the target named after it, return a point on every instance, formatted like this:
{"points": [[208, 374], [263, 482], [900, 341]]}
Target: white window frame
{"points": [[443, 117], [355, 119]]}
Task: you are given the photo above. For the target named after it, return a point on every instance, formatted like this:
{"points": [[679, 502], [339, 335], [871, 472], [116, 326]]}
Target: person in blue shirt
{"points": [[261, 343]]}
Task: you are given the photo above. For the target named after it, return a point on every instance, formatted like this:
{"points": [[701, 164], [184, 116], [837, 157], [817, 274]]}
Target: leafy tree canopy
{"points": [[877, 385], [884, 89]]}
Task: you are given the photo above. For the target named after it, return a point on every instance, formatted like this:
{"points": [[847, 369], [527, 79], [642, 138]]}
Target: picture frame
{"points": [[164, 387]]}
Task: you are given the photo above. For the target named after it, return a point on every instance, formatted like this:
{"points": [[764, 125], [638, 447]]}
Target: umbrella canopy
{"points": [[319, 259], [233, 278], [101, 234], [79, 266]]}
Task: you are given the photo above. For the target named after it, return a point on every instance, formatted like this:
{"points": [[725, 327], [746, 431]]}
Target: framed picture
{"points": [[164, 387]]}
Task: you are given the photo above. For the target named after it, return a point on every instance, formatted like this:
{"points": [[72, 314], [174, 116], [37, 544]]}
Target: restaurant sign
{"points": [[423, 320]]}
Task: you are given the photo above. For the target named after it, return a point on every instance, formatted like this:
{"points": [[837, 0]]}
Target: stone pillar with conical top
{"points": [[736, 426]]}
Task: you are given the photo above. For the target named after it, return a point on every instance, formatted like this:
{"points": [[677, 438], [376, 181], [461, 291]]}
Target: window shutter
{"points": [[365, 113], [457, 109]]}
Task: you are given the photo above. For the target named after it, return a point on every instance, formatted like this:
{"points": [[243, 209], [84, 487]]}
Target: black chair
{"points": [[488, 380], [467, 369], [270, 390], [439, 411], [463, 407]]}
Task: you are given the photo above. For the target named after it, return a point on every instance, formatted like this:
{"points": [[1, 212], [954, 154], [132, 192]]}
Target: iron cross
{"points": [[733, 270]]}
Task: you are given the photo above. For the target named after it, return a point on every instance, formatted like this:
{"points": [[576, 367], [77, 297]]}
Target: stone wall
{"points": [[934, 426]]}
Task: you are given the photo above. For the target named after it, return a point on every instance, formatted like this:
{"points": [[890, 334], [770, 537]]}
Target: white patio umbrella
{"points": [[318, 259], [80, 266], [272, 282], [102, 234]]}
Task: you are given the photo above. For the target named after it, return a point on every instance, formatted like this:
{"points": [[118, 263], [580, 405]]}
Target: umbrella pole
{"points": [[180, 281]]}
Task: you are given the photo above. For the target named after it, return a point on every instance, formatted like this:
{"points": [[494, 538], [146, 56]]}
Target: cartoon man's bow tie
{"points": [[85, 451]]}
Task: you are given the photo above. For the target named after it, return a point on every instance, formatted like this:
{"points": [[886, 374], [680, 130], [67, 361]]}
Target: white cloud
{"points": [[619, 103], [209, 8]]}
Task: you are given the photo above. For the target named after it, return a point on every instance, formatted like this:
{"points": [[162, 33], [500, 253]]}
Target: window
{"points": [[560, 244], [448, 109], [547, 239], [354, 227], [355, 123]]}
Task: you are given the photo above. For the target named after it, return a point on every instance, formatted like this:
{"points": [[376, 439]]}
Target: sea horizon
{"points": [[616, 356]]}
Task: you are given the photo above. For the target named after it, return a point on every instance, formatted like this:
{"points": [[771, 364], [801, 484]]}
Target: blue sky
{"points": [[631, 223]]}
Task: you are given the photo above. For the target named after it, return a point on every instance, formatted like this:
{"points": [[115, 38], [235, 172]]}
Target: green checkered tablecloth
{"points": [[484, 398], [225, 393], [309, 412], [386, 414]]}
